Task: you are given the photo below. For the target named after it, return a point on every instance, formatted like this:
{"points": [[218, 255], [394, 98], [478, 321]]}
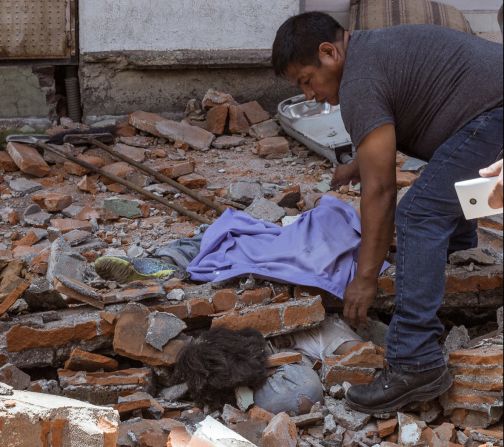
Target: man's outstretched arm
{"points": [[377, 166]]}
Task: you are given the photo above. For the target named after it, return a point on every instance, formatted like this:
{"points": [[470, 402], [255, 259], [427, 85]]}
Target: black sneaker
{"points": [[394, 389]]}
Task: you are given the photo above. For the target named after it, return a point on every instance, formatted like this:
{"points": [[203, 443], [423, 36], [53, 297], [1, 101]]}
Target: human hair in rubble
{"points": [[219, 361], [299, 38]]}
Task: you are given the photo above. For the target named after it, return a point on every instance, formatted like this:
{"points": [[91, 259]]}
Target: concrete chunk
{"points": [[34, 418], [28, 159]]}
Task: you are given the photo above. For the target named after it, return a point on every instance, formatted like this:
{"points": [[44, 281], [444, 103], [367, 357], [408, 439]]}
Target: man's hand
{"points": [[344, 174], [495, 198], [359, 295]]}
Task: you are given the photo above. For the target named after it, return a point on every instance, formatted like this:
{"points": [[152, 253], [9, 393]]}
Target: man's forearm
{"points": [[377, 216]]}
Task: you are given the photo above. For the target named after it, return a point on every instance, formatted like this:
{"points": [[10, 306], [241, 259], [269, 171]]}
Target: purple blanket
{"points": [[320, 249]]}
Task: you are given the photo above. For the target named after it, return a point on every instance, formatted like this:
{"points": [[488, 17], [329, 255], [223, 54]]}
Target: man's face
{"points": [[320, 82]]}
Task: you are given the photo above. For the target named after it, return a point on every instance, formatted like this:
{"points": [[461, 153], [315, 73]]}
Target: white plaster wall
{"points": [[160, 25]]}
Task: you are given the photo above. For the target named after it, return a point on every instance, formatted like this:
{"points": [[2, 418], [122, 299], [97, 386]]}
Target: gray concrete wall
{"points": [[25, 93], [164, 25], [107, 91]]}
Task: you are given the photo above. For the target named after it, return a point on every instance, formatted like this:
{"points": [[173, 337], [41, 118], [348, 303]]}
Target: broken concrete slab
{"points": [[124, 206], [214, 433], [228, 141], [34, 418], [245, 191], [34, 215], [163, 327], [24, 186], [64, 261], [477, 255], [345, 416], [42, 296], [410, 430], [265, 129], [265, 209]]}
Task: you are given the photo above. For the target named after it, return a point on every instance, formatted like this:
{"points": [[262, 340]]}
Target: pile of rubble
{"points": [[105, 351]]}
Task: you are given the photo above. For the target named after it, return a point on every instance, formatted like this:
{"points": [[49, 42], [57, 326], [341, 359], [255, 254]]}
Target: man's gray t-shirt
{"points": [[427, 80]]}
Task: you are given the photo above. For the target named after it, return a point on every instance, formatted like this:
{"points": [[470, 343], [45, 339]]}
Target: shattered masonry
{"points": [[105, 351]]}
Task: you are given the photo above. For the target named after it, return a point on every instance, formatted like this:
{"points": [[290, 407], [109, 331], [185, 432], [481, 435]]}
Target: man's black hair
{"points": [[299, 38], [221, 360]]}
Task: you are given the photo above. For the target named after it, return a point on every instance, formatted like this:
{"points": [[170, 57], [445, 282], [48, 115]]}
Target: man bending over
{"points": [[431, 93]]}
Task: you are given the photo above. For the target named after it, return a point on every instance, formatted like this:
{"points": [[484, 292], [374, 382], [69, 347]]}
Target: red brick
{"points": [[254, 112], [67, 225], [174, 169], [7, 163], [76, 169], [193, 181], [195, 137], [20, 338], [129, 338], [303, 313], [217, 119], [200, 307], [273, 147], [281, 431], [289, 197], [88, 184], [238, 123], [405, 179], [463, 281], [87, 361], [387, 427], [283, 358], [258, 414], [120, 169], [337, 375], [52, 201], [224, 300], [481, 356], [28, 159], [256, 296], [265, 319], [125, 130]]}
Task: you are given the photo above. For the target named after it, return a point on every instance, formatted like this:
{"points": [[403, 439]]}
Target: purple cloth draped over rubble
{"points": [[319, 249]]}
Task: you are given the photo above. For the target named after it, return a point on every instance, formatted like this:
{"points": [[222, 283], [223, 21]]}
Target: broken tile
{"points": [[163, 327], [265, 209]]}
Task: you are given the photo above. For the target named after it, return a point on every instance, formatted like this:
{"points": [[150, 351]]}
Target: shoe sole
{"points": [[425, 393]]}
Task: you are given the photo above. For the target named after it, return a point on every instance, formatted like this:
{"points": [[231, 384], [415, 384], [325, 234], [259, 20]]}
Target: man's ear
{"points": [[328, 52]]}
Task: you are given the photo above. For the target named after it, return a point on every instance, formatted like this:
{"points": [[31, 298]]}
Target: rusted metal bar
{"points": [[158, 175], [126, 183]]}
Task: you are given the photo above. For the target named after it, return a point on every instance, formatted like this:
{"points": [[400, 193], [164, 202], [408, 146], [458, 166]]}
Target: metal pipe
{"points": [[126, 183], [158, 175]]}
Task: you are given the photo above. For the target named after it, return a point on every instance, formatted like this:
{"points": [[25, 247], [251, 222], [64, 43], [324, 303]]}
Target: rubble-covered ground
{"points": [[64, 331]]}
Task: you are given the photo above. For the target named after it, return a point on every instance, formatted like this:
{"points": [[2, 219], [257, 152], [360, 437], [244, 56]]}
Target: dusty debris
{"points": [[66, 331]]}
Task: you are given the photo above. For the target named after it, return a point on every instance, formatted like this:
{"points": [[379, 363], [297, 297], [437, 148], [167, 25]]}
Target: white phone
{"points": [[473, 196]]}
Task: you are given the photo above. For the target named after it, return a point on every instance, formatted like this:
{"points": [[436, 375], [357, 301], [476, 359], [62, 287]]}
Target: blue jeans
{"points": [[430, 224]]}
